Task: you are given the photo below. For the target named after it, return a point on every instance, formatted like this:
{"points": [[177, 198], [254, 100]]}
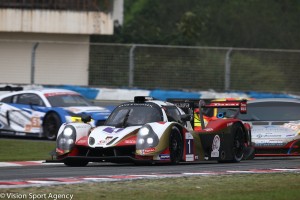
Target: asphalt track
{"points": [[110, 169]]}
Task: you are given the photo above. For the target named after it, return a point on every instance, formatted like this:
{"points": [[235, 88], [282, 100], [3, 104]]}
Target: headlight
{"points": [[141, 141], [144, 131], [150, 141], [67, 132], [146, 138], [66, 140], [70, 141]]}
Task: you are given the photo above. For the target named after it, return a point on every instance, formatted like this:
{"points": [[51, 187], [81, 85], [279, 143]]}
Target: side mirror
{"points": [[86, 118]]}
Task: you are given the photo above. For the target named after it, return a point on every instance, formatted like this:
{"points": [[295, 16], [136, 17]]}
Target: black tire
{"points": [[238, 142], [51, 126], [175, 146], [75, 163]]}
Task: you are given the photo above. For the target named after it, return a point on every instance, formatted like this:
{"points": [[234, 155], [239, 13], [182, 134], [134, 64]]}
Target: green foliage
{"points": [[249, 72], [235, 23]]}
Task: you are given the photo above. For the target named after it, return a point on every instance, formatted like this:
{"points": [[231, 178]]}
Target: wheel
{"points": [[175, 146], [238, 142], [51, 125], [76, 163]]}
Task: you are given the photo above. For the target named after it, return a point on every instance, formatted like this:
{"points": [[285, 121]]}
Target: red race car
{"points": [[153, 131]]}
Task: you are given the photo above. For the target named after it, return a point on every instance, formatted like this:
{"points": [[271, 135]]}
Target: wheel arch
{"points": [[59, 114], [247, 137], [52, 112], [181, 131]]}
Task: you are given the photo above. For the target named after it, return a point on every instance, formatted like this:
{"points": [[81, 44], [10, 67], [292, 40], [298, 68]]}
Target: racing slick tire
{"points": [[76, 163], [238, 142], [51, 126], [175, 146]]}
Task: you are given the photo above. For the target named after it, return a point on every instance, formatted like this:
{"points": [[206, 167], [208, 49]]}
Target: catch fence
{"points": [[154, 66]]}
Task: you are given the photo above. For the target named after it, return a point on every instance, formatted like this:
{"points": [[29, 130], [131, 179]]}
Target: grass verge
{"points": [[226, 187], [24, 150]]}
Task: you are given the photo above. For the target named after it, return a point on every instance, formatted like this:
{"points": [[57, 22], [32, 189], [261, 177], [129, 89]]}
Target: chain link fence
{"points": [[194, 68], [157, 66]]}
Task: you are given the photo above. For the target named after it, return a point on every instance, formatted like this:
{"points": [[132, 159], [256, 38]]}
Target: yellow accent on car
{"points": [[76, 119]]}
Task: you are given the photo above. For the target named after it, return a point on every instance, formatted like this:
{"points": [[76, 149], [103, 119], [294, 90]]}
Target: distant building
{"points": [[46, 41]]}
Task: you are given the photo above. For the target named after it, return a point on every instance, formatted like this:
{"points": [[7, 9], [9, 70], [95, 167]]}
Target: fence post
{"points": [[33, 62], [227, 69], [131, 66]]}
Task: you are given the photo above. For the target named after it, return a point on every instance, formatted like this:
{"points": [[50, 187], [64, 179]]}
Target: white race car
{"points": [[275, 126], [40, 112]]}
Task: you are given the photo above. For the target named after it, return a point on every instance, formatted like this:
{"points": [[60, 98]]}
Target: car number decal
{"points": [[189, 147], [216, 147]]}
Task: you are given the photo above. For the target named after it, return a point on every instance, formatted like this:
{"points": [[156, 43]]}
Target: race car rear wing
{"points": [[190, 105]]}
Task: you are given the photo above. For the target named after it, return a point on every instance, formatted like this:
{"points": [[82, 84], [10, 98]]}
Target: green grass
{"points": [[277, 186], [25, 150]]}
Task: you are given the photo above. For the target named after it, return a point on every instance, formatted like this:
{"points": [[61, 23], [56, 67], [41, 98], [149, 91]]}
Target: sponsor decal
{"points": [[243, 107], [183, 105], [225, 104], [270, 143], [293, 126], [208, 129], [109, 130], [101, 142], [106, 140], [112, 130], [189, 157], [130, 141], [119, 129], [229, 124], [216, 147], [149, 150], [136, 104], [292, 135], [164, 157], [188, 135], [268, 135], [78, 126]]}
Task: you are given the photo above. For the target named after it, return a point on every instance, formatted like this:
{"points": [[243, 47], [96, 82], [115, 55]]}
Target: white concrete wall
{"points": [[51, 21], [60, 58]]}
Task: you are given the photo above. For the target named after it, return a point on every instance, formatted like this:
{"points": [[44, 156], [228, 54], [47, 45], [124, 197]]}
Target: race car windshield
{"points": [[271, 111], [133, 116], [68, 100]]}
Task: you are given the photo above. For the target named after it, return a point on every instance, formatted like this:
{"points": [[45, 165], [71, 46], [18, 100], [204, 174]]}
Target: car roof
{"points": [[41, 91], [156, 102]]}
